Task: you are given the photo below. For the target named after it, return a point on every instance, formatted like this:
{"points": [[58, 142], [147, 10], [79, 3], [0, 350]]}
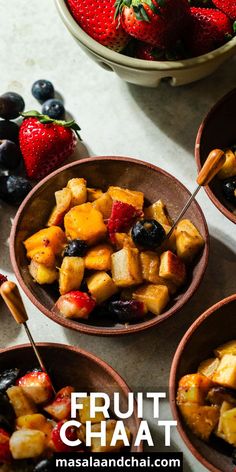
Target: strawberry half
{"points": [[60, 408], [227, 6], [5, 454], [122, 218], [45, 143], [71, 434], [96, 18], [36, 385], [75, 305]]}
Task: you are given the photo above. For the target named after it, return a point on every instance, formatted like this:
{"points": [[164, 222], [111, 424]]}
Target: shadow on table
{"points": [[178, 111]]}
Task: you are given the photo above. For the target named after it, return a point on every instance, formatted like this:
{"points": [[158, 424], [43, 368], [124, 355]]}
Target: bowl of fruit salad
{"points": [[203, 387], [218, 130], [31, 414], [145, 42], [89, 246]]}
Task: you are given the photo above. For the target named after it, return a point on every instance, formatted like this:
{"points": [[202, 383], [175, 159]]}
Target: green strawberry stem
{"points": [[139, 10], [45, 119]]}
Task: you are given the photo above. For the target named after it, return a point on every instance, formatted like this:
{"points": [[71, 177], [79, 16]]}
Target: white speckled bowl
{"points": [[146, 73]]}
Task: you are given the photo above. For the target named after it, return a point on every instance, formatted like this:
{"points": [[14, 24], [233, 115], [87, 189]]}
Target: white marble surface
{"points": [[117, 119]]}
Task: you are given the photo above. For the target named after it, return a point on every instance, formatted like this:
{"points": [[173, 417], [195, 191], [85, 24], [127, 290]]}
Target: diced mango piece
{"points": [[63, 202], [188, 240], [155, 297], [202, 420], [44, 256], [123, 240], [132, 197], [27, 444], [71, 274], [224, 407], [227, 348], [78, 188], [193, 388], [86, 223], [158, 212], [84, 413], [101, 286], [228, 426], [226, 372], [21, 403], [104, 205], [93, 194], [99, 257], [229, 167], [110, 428], [172, 268], [35, 421], [52, 237], [42, 274], [126, 267], [208, 367]]}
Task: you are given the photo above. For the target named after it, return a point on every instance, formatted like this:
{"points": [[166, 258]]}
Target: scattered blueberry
{"points": [[42, 90], [148, 233], [10, 155], [54, 109], [13, 189], [8, 378], [229, 189], [6, 409], [125, 311], [9, 130], [11, 105], [76, 248], [44, 465]]}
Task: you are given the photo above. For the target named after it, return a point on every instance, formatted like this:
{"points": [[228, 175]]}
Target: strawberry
{"points": [[60, 408], [5, 454], [156, 22], [148, 52], [36, 385], [96, 18], [3, 279], [71, 434], [209, 29], [45, 143], [75, 305], [122, 217], [227, 6]]}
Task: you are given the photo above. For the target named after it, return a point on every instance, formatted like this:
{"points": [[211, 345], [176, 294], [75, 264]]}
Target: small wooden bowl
{"points": [[218, 130], [213, 328], [69, 365], [102, 172]]}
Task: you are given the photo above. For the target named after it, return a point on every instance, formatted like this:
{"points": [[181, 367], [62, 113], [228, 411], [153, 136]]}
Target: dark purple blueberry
{"points": [[6, 409], [229, 189], [11, 105], [44, 465], [54, 109], [125, 311], [8, 378], [10, 155], [13, 189], [42, 90], [148, 234], [76, 248], [9, 130]]}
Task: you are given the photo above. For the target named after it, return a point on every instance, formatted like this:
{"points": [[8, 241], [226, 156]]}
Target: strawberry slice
{"points": [[122, 218], [5, 454], [75, 305], [71, 434], [37, 385], [3, 279], [60, 408]]}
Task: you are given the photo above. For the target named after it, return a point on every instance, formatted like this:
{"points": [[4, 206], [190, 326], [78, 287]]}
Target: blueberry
{"points": [[8, 378], [11, 105], [54, 109], [148, 234], [44, 465], [10, 155], [229, 189], [6, 409], [129, 310], [42, 90], [76, 248], [13, 189], [9, 130]]}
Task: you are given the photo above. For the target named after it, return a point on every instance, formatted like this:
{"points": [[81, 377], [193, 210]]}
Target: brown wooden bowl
{"points": [[69, 365], [218, 130], [213, 328], [102, 172]]}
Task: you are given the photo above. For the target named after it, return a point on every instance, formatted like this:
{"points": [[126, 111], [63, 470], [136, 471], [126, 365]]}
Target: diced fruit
{"points": [[75, 305], [85, 415], [10, 155], [36, 421], [228, 424], [229, 190], [202, 420], [54, 108], [224, 407], [155, 297], [3, 278], [101, 286], [123, 240], [150, 262], [126, 267], [122, 217], [78, 188], [11, 105], [110, 427], [13, 188], [76, 247], [42, 90], [27, 444], [208, 367], [129, 310], [93, 194], [71, 274], [22, 404], [148, 234], [188, 240], [219, 395], [52, 237], [227, 348], [172, 268], [132, 197], [226, 372], [60, 408], [37, 386], [5, 454], [44, 256], [7, 413], [170, 242], [63, 202], [99, 257], [104, 205], [71, 434], [229, 167], [44, 465], [158, 212], [8, 378], [86, 223], [42, 274], [193, 388]]}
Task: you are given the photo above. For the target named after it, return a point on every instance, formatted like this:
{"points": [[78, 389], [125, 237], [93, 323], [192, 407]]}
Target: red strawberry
{"points": [[208, 30], [156, 22], [96, 18], [75, 305], [45, 143], [122, 217], [60, 408], [3, 279], [148, 52], [227, 6], [71, 434], [5, 454]]}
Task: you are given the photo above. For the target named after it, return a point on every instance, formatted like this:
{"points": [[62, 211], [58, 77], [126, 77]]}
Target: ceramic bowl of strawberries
{"points": [[147, 41], [90, 246]]}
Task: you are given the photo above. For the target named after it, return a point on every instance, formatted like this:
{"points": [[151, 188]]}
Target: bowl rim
{"points": [[94, 358], [120, 59], [198, 156], [101, 330], [172, 380]]}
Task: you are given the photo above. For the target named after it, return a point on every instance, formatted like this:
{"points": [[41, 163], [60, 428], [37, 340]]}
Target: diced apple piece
{"points": [[150, 262], [126, 267], [86, 223], [193, 388], [21, 403], [132, 197], [27, 444], [52, 237], [44, 256], [172, 268], [93, 194], [42, 274], [202, 420], [155, 297], [101, 286], [227, 348], [63, 202], [228, 426], [110, 428], [188, 240], [78, 188], [60, 408], [104, 205], [229, 167], [123, 240], [224, 407], [99, 257], [36, 386], [208, 367], [226, 372], [84, 413], [71, 274], [158, 212]]}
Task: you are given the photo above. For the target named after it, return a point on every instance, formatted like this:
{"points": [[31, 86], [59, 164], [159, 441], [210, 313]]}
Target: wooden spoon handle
{"points": [[211, 167], [13, 300]]}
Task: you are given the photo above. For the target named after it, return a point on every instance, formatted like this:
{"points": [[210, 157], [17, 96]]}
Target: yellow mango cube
{"points": [[99, 257], [52, 237], [104, 205], [229, 167], [42, 274], [132, 197], [202, 420], [101, 286], [193, 388], [86, 223], [188, 240]]}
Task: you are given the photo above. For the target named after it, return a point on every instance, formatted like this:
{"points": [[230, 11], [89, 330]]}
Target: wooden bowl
{"points": [[102, 172], [218, 130], [69, 365], [213, 328]]}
